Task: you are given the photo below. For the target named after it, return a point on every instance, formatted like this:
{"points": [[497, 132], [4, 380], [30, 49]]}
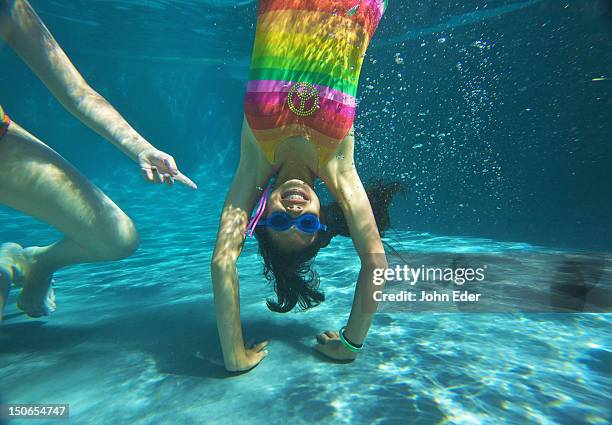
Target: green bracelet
{"points": [[348, 344]]}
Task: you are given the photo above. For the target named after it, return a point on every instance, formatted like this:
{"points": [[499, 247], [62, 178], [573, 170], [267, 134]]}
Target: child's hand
{"points": [[159, 167], [329, 345], [252, 357]]}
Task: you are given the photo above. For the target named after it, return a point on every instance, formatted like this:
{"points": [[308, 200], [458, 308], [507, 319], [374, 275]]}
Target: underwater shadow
{"points": [[291, 334], [188, 341], [36, 335], [182, 339]]}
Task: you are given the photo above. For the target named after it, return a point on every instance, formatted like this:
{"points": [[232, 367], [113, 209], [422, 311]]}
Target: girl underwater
{"points": [[36, 180], [299, 111]]}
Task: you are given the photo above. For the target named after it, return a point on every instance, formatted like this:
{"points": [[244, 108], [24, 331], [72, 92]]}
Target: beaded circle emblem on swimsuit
{"points": [[304, 92]]}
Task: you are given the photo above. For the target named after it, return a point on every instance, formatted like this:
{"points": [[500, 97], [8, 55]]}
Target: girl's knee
{"points": [[127, 239], [120, 239]]}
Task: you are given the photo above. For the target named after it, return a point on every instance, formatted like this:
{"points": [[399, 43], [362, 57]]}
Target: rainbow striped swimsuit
{"points": [[305, 69], [5, 122]]}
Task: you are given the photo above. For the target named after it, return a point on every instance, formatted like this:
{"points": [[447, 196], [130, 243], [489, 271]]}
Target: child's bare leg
{"points": [[39, 182]]}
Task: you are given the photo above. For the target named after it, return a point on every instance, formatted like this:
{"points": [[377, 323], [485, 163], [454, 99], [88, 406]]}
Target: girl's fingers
{"points": [[260, 346], [332, 334], [182, 178], [157, 177], [153, 174], [171, 165], [147, 174], [322, 339]]}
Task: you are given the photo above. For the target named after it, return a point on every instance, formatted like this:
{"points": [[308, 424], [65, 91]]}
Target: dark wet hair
{"points": [[291, 273]]}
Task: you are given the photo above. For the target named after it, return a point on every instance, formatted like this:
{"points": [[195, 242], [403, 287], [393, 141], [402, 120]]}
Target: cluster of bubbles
{"points": [[432, 129]]}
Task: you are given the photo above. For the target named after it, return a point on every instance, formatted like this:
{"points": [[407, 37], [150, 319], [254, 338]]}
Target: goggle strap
{"points": [[261, 207]]}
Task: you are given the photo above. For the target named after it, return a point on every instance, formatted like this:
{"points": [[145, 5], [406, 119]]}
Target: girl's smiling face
{"points": [[295, 198]]}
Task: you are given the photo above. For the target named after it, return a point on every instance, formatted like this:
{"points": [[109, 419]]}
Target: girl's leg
{"points": [[36, 180]]}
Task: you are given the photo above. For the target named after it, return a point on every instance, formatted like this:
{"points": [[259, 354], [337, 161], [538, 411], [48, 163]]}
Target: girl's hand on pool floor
{"points": [[252, 357], [159, 167], [329, 345]]}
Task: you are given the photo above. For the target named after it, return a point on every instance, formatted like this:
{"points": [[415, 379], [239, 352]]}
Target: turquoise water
{"points": [[501, 133], [135, 342]]}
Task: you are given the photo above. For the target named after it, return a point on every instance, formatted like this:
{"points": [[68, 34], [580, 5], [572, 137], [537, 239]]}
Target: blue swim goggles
{"points": [[281, 221]]}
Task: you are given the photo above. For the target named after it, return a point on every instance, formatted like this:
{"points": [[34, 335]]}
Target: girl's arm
{"points": [[340, 176], [23, 30], [239, 202], [366, 238]]}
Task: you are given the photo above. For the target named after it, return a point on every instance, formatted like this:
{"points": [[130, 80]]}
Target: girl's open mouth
{"points": [[295, 196]]}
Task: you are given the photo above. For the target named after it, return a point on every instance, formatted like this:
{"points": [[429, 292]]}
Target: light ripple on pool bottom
{"points": [[135, 342], [426, 382]]}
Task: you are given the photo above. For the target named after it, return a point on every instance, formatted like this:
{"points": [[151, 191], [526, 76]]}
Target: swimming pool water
{"points": [[135, 342], [495, 113]]}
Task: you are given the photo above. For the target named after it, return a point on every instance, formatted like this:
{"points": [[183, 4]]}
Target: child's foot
{"points": [[9, 253], [36, 298], [5, 286]]}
